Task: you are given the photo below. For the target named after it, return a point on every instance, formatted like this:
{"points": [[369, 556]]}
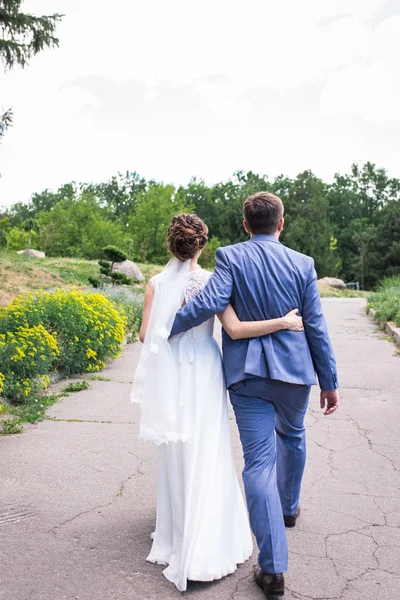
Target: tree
{"points": [[113, 255], [18, 239], [207, 258], [350, 227], [4, 229], [5, 122], [307, 227], [30, 226], [148, 227], [200, 196], [357, 204], [22, 36], [229, 198], [46, 200], [382, 246], [119, 195], [78, 227]]}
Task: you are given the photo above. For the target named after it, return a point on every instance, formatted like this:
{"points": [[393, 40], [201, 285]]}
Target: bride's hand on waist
{"points": [[293, 321]]}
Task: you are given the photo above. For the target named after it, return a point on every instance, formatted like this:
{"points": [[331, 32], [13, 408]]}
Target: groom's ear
{"points": [[246, 227], [280, 225]]}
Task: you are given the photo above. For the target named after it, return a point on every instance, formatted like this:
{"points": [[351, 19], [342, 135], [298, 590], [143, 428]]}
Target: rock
{"points": [[32, 253], [129, 268], [333, 282], [390, 328]]}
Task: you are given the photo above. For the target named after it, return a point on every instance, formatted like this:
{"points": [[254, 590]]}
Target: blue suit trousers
{"points": [[270, 416]]}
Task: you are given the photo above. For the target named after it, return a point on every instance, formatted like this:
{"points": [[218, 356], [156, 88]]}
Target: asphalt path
{"points": [[78, 491]]}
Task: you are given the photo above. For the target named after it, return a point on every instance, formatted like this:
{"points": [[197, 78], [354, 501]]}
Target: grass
{"points": [[76, 386], [327, 291], [30, 412], [12, 427], [386, 301], [19, 274], [34, 410]]}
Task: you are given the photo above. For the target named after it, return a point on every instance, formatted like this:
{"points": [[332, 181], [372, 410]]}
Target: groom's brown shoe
{"points": [[290, 520], [273, 584]]}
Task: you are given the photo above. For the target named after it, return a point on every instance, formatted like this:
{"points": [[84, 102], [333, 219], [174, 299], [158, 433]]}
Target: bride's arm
{"points": [[148, 300], [239, 330]]}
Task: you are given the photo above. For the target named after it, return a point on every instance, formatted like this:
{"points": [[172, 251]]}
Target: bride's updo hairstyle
{"points": [[187, 234]]}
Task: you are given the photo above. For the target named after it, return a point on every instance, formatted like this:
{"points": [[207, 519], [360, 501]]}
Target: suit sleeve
{"points": [[317, 335], [214, 298]]}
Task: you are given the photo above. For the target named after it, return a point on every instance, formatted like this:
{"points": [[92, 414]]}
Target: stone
{"points": [[389, 328], [333, 282], [130, 269], [396, 334], [32, 253]]}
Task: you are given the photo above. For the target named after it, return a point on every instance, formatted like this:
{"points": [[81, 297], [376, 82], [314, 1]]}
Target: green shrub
{"points": [[105, 268], [26, 356], [88, 327], [120, 278], [104, 263], [94, 281], [18, 239], [113, 255], [386, 301]]}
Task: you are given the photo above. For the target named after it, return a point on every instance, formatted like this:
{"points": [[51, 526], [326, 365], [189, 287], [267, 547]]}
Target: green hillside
{"points": [[18, 274]]}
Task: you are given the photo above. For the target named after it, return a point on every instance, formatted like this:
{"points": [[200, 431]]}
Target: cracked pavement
{"points": [[78, 491]]}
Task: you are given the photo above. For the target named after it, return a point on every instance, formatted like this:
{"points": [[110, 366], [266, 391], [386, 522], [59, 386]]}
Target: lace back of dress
{"points": [[197, 280]]}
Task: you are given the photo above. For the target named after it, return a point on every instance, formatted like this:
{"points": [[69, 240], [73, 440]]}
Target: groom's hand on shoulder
{"points": [[329, 399]]}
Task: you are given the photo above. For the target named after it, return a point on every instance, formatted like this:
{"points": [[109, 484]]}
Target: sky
{"points": [[175, 89]]}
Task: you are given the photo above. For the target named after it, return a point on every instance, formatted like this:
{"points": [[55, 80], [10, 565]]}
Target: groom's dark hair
{"points": [[262, 212]]}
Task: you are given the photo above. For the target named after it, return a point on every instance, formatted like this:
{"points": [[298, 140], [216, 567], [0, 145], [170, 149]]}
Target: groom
{"points": [[269, 378]]}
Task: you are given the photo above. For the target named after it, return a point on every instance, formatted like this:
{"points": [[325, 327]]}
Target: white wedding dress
{"points": [[202, 531]]}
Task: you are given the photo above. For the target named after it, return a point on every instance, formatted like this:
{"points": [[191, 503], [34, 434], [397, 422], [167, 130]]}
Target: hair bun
{"points": [[187, 234]]}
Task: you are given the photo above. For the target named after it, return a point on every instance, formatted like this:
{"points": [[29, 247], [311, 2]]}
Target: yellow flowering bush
{"points": [[26, 356], [88, 327]]}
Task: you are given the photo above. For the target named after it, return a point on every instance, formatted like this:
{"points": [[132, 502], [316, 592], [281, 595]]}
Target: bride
{"points": [[202, 531]]}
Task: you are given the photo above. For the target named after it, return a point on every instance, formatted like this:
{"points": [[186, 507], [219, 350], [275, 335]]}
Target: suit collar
{"points": [[264, 237]]}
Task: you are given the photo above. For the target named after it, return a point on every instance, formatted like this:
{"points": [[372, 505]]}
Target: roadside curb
{"points": [[389, 327]]}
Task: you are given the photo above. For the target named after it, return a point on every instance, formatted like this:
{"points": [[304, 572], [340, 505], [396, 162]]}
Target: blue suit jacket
{"points": [[263, 279]]}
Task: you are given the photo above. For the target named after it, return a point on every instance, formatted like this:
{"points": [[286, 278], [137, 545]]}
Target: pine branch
{"points": [[5, 122], [24, 35]]}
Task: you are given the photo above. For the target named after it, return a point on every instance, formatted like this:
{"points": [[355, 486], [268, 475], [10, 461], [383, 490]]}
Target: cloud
{"points": [[370, 88], [174, 89]]}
